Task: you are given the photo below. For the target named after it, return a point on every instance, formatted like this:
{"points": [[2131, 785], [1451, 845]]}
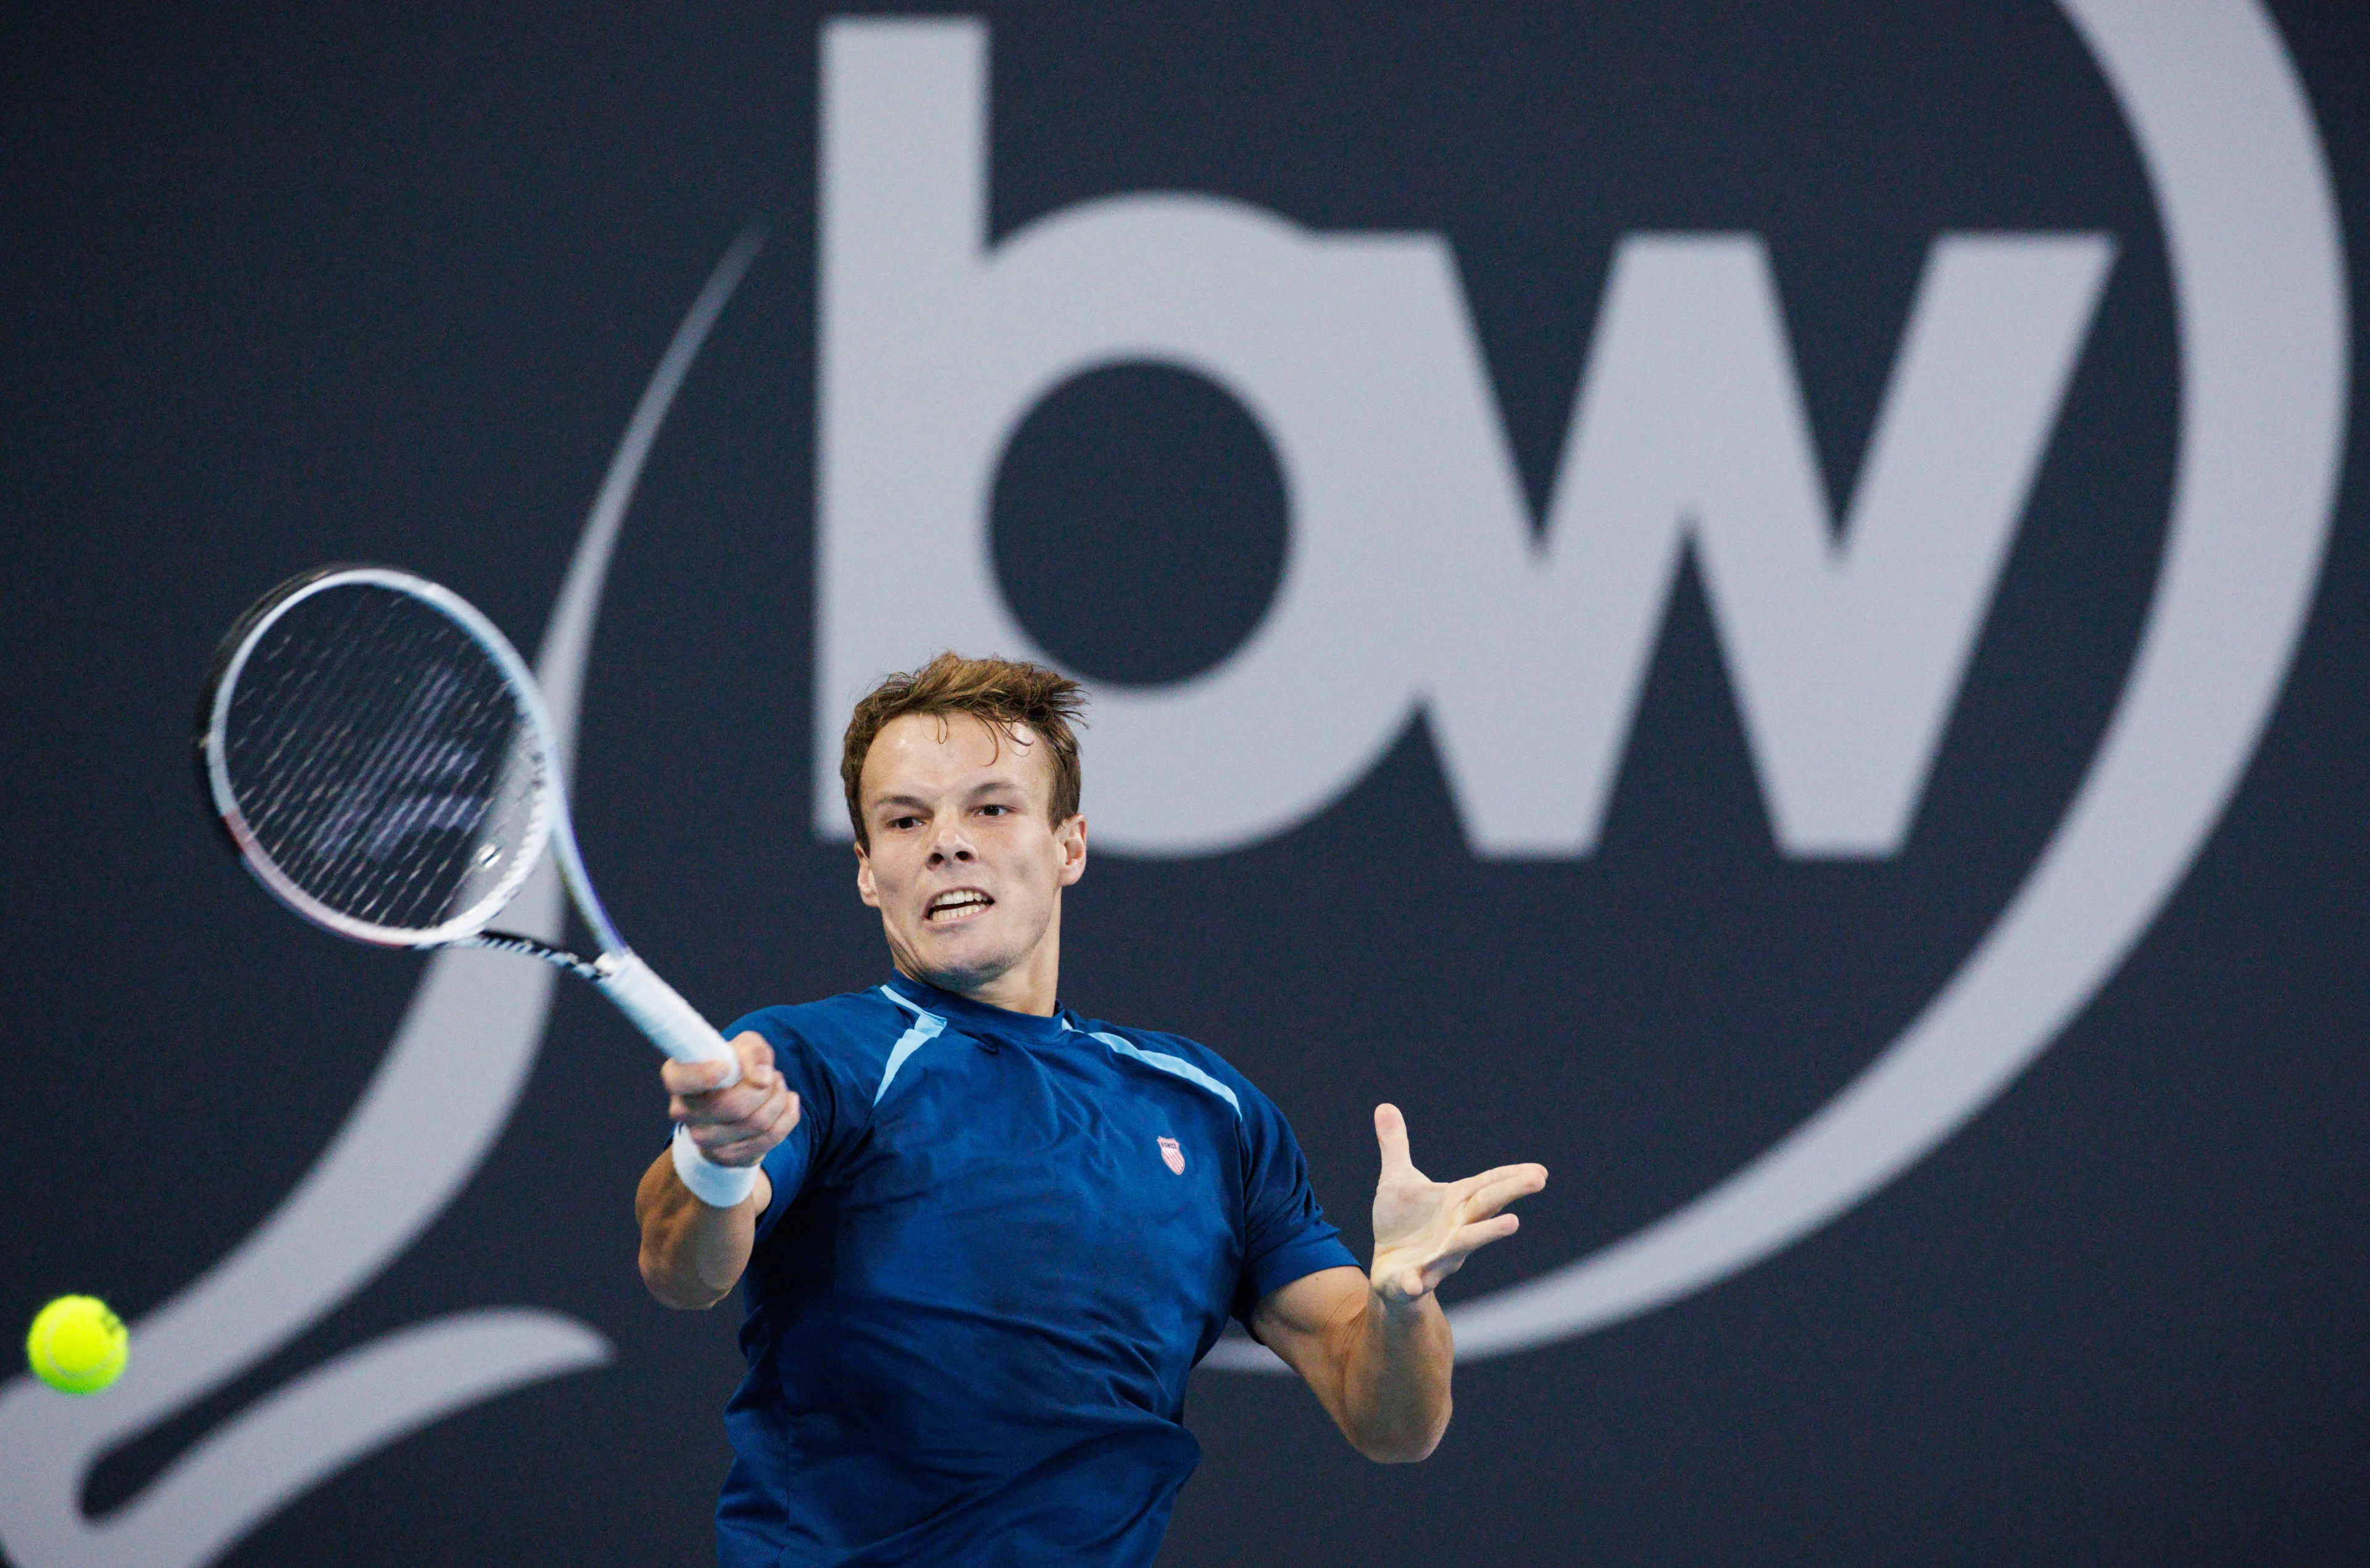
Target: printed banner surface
{"points": [[1764, 606]]}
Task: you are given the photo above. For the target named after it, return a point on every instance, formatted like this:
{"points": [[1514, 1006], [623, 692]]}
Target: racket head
{"points": [[378, 756]]}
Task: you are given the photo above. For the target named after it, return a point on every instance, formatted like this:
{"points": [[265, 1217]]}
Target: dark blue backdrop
{"points": [[385, 283]]}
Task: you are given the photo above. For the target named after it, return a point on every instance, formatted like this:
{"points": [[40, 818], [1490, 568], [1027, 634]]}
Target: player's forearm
{"points": [[692, 1254], [1395, 1371]]}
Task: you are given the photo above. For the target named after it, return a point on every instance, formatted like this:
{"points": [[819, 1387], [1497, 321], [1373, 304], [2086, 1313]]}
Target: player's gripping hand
{"points": [[735, 1126]]}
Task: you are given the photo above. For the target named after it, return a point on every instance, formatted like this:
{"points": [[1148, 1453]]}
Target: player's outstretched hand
{"points": [[735, 1126], [1425, 1230]]}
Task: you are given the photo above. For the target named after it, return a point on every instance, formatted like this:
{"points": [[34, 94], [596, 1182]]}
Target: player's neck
{"points": [[1032, 986]]}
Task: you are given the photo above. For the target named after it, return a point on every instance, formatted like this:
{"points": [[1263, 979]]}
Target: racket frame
{"points": [[552, 821]]}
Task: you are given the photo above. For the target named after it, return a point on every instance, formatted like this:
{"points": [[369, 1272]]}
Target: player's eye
{"points": [[996, 811], [901, 823]]}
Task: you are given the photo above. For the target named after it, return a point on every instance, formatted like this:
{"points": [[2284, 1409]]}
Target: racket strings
{"points": [[381, 788], [380, 760]]}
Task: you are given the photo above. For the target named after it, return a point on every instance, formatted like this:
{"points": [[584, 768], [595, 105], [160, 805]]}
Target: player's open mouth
{"points": [[959, 904]]}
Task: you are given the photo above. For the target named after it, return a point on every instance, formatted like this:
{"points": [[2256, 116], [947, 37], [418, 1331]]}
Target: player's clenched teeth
{"points": [[962, 904]]}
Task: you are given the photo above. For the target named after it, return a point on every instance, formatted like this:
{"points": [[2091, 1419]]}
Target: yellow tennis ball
{"points": [[76, 1346]]}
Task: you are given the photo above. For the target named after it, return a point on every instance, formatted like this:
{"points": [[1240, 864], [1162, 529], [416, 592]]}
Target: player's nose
{"points": [[950, 846]]}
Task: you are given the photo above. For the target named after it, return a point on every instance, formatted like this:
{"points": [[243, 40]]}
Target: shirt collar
{"points": [[966, 1013]]}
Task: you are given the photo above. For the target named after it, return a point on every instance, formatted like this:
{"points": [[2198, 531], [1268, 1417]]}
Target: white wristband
{"points": [[718, 1186]]}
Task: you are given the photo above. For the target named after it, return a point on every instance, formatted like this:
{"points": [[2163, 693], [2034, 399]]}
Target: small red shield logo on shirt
{"points": [[1173, 1154]]}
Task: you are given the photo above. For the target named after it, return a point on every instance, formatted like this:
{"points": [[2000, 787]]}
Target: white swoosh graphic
{"points": [[426, 1122]]}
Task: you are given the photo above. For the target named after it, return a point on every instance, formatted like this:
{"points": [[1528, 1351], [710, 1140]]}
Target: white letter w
{"points": [[1845, 655]]}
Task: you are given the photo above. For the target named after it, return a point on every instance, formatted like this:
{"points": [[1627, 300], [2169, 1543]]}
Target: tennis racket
{"points": [[380, 758]]}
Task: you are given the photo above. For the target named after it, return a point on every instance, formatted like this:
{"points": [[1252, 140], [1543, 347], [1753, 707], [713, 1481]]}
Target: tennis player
{"points": [[991, 1236]]}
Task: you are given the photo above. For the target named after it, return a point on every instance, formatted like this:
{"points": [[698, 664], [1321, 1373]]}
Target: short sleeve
{"points": [[823, 1121], [1286, 1235]]}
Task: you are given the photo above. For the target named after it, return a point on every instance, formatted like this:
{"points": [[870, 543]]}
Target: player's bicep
{"points": [[1311, 1322]]}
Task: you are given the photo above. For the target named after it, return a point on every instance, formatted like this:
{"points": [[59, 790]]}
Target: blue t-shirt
{"points": [[997, 1244]]}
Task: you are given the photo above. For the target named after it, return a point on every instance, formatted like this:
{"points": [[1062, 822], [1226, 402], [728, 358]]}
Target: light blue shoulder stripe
{"points": [[926, 1027], [1177, 1066]]}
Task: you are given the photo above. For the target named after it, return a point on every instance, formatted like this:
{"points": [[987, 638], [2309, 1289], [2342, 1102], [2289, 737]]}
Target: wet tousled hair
{"points": [[1003, 693]]}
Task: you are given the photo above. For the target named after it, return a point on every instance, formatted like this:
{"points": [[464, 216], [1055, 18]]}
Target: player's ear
{"points": [[864, 887], [1072, 838]]}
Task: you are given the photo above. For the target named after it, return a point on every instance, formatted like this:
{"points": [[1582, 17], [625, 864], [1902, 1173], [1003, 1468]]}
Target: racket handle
{"points": [[678, 1028], [658, 1011]]}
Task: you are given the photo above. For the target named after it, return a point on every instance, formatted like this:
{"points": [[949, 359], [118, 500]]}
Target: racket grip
{"points": [[658, 1011]]}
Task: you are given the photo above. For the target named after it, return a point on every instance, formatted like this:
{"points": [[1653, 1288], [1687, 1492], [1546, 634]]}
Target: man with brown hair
{"points": [[990, 1237]]}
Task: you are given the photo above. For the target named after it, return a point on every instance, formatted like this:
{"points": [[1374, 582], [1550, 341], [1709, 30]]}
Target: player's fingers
{"points": [[1464, 1242], [756, 1058], [739, 1155], [705, 1110], [690, 1077], [745, 1143], [1471, 1239], [1390, 1132], [736, 1151], [716, 1133], [1504, 1172], [773, 1121], [725, 1107], [701, 1111], [762, 1103], [1494, 1175], [768, 1117], [1487, 1199]]}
